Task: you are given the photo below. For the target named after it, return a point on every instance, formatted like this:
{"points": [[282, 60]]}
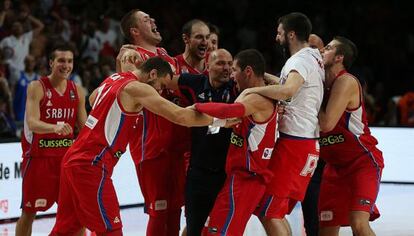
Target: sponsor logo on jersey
{"points": [[184, 69], [116, 220], [160, 205], [267, 153], [91, 122], [72, 95], [49, 94], [41, 202], [326, 215], [55, 143], [28, 204], [364, 202], [118, 154], [332, 139], [202, 96], [212, 230], [49, 103], [236, 140]]}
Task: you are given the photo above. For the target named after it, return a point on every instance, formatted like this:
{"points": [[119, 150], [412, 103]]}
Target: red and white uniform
{"points": [[87, 196], [42, 153], [297, 150], [250, 151], [184, 67], [156, 138], [154, 132], [353, 168]]}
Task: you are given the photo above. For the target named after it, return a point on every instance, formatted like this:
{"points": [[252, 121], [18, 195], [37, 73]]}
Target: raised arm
{"points": [[343, 94], [280, 91], [148, 97], [34, 96], [37, 25]]}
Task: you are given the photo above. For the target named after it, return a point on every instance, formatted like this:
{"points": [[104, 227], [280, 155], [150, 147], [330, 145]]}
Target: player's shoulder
{"points": [[35, 85], [347, 81], [347, 78], [136, 87]]}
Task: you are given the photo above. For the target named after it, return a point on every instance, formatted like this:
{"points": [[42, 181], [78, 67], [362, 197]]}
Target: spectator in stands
{"points": [[7, 126], [214, 38], [90, 45], [107, 38], [26, 76], [406, 109], [16, 46], [7, 15]]}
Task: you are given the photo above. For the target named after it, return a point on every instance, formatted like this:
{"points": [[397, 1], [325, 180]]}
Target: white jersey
{"points": [[301, 113]]}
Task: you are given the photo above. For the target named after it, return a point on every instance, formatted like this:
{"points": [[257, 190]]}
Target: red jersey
{"points": [[184, 67], [108, 128], [251, 146], [154, 132], [161, 52], [351, 138], [54, 108]]}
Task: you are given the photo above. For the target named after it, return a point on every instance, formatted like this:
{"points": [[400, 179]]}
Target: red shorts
{"points": [[293, 163], [162, 182], [87, 198], [272, 207], [40, 183], [235, 204], [346, 189]]}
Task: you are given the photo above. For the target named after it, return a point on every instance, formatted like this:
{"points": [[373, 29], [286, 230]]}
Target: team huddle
{"points": [[257, 143]]}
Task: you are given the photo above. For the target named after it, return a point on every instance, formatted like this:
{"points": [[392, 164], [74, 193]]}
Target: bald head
{"points": [[315, 41], [219, 53], [219, 66]]}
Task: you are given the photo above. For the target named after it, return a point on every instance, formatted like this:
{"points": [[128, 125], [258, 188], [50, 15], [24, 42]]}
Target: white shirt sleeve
{"points": [[28, 36], [299, 65]]}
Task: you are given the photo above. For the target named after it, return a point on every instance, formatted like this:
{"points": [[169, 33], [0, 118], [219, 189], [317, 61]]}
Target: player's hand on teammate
{"points": [[271, 79], [63, 129], [128, 54], [248, 91]]}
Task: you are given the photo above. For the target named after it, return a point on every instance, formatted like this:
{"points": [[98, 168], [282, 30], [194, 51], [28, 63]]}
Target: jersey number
{"points": [[103, 91]]}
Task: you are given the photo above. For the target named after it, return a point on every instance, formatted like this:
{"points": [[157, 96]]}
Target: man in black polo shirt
{"points": [[206, 173]]}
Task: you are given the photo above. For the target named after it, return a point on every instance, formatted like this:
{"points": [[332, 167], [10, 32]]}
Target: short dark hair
{"points": [[348, 49], [188, 27], [252, 58], [297, 22], [127, 22], [60, 47], [214, 29], [163, 67]]}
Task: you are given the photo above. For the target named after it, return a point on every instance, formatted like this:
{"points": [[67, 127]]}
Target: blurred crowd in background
{"points": [[382, 31]]}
